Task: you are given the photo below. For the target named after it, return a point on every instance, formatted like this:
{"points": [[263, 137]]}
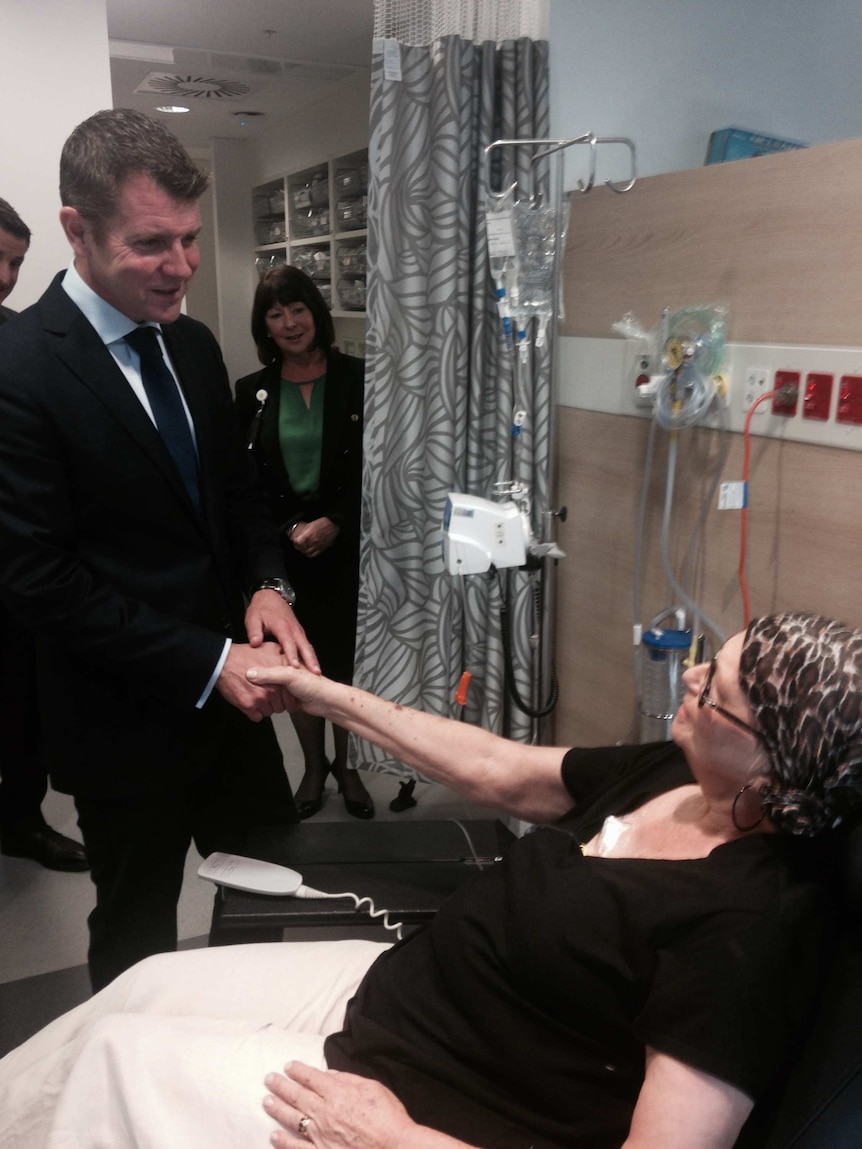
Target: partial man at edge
{"points": [[24, 833]]}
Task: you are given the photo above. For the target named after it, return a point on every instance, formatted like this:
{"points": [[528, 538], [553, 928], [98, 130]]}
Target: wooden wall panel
{"points": [[804, 551], [778, 239]]}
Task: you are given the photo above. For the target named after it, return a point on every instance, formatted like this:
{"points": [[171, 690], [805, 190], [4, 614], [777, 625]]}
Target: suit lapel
{"points": [[333, 415], [340, 410], [269, 432], [85, 356]]}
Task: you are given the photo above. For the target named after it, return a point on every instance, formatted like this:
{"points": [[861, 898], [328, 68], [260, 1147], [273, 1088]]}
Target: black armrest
{"points": [[818, 1105]]}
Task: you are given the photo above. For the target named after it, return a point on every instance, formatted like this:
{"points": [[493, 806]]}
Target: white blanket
{"points": [[174, 1052]]}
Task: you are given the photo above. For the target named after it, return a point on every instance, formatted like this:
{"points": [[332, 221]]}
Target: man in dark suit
{"points": [[24, 833], [140, 548]]}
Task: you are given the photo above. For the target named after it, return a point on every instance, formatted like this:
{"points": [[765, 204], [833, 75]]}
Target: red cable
{"points": [[743, 530]]}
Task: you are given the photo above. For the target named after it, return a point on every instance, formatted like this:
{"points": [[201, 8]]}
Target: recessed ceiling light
{"points": [[175, 109]]}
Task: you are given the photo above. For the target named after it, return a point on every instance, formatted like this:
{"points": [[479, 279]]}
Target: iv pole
{"points": [[544, 663]]}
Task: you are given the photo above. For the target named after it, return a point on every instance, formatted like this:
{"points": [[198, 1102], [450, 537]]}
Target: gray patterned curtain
{"points": [[441, 389]]}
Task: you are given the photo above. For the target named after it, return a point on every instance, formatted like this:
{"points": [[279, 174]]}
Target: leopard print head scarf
{"points": [[803, 678]]}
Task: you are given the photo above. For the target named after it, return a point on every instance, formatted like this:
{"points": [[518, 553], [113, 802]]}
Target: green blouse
{"points": [[300, 432]]}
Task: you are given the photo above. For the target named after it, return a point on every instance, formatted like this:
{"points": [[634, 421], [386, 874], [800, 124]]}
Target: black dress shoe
{"points": [[47, 847]]}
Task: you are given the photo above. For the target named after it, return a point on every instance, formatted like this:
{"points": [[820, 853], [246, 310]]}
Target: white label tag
{"points": [[732, 496], [391, 60], [501, 238]]}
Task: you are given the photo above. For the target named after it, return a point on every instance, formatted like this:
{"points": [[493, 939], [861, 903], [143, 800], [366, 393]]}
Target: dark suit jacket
{"points": [[6, 313], [129, 592], [340, 489]]}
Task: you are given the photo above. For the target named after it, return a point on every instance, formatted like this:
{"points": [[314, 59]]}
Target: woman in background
{"points": [[303, 416]]}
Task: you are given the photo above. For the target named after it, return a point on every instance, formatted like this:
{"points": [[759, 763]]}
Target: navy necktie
{"points": [[167, 407]]}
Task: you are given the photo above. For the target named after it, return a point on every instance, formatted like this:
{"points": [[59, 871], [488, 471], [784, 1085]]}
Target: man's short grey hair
{"points": [[112, 145]]}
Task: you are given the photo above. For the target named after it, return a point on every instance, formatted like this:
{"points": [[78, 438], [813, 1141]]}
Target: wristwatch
{"points": [[280, 586]]}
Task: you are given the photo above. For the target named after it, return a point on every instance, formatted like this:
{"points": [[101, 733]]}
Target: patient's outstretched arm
{"points": [[521, 780]]}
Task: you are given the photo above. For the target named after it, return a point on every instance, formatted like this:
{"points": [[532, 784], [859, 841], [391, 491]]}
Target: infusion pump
{"points": [[479, 534]]}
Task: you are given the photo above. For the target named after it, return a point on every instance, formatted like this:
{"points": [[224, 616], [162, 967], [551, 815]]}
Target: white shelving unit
{"points": [[317, 219]]}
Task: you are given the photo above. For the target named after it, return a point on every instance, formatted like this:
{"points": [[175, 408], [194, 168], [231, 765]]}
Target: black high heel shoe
{"points": [[308, 807], [358, 807]]}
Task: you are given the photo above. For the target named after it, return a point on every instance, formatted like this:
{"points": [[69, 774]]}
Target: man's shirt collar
{"points": [[110, 324]]}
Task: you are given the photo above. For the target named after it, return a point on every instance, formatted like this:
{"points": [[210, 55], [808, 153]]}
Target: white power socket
{"points": [[754, 384], [640, 368]]}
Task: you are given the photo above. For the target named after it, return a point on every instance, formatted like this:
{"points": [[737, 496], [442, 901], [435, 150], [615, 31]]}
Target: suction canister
{"points": [[663, 654]]}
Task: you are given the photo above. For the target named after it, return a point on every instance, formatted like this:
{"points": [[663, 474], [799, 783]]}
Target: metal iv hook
{"points": [[591, 178], [559, 145], [621, 189], [556, 146]]}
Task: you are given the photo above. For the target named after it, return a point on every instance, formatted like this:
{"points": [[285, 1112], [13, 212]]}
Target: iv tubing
{"points": [[639, 542], [743, 522], [670, 611], [688, 565], [665, 531]]}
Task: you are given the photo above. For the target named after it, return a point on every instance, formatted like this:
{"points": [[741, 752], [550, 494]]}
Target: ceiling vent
{"points": [[200, 87], [196, 60]]}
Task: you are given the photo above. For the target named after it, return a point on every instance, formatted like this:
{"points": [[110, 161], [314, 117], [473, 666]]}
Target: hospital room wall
{"points": [[670, 72], [777, 240], [55, 46]]}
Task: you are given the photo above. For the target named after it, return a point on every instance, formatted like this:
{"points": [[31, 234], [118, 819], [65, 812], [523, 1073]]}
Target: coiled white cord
{"points": [[304, 891], [396, 927]]}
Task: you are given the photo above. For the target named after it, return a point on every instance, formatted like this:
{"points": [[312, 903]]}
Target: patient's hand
{"points": [[344, 1111], [299, 688]]}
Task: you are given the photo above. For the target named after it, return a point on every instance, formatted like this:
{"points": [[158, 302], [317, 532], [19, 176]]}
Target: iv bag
{"points": [[535, 258]]}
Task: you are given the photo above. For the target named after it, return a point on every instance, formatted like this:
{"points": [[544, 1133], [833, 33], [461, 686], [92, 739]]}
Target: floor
{"points": [[43, 913]]}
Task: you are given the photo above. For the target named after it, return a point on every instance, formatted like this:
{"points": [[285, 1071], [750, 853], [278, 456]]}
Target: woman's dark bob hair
{"points": [[286, 285]]}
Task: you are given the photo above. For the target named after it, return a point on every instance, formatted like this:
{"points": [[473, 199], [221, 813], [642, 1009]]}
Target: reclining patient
{"points": [[632, 974]]}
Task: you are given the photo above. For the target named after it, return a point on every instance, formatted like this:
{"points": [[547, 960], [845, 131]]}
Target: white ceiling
{"points": [[285, 54]]}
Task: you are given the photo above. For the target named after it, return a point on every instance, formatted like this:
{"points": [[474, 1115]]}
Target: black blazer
{"points": [[130, 593], [340, 489]]}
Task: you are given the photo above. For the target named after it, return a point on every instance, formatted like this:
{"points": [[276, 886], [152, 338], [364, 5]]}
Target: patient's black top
{"points": [[520, 1016]]}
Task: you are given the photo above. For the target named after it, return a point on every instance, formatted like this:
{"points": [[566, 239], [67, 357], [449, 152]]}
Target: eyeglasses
{"points": [[705, 700]]}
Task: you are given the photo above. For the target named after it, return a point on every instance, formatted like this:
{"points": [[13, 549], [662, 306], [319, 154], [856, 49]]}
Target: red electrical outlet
{"points": [[849, 400], [818, 396], [787, 401]]}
